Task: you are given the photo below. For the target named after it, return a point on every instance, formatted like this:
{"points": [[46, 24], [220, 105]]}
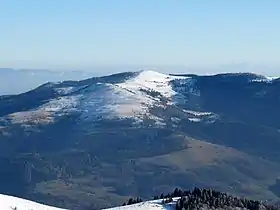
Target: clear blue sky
{"points": [[85, 33]]}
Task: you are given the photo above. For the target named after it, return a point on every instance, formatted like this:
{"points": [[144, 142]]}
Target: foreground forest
{"points": [[207, 199]]}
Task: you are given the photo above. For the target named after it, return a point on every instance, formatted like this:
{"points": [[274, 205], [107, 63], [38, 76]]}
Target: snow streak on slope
{"points": [[13, 203], [198, 114], [149, 205], [66, 90]]}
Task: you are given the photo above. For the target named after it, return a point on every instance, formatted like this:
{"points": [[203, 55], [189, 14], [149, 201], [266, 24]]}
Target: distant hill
{"points": [[19, 81]]}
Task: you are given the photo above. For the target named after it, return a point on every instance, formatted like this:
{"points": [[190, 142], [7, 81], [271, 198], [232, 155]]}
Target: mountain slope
{"points": [[75, 144], [13, 203], [122, 100], [202, 199]]}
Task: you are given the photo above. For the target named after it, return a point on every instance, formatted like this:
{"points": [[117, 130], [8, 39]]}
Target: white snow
{"points": [[126, 100], [194, 119], [175, 119], [151, 80], [45, 114], [36, 117], [111, 101], [148, 205], [60, 104], [13, 203], [198, 114], [266, 79], [65, 90], [272, 78], [68, 90]]}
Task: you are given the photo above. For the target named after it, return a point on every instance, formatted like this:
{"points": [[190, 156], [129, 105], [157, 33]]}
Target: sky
{"points": [[79, 34]]}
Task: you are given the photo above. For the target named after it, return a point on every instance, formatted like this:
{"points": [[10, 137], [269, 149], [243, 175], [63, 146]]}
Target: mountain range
{"points": [[24, 80], [98, 141]]}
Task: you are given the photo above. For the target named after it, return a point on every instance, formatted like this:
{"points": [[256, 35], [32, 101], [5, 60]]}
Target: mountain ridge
{"points": [[27, 79], [76, 143]]}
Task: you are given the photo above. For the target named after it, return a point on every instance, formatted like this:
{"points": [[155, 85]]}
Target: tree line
{"points": [[198, 198]]}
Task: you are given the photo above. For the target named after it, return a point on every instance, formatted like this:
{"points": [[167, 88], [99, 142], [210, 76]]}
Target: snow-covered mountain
{"points": [[75, 144], [129, 98]]}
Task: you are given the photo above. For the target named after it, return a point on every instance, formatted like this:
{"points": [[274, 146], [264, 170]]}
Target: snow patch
{"points": [[159, 122], [149, 205], [175, 119], [65, 90], [127, 99], [112, 101], [68, 90], [151, 80], [272, 78], [265, 79], [45, 114], [13, 203], [194, 119], [60, 105], [35, 117], [198, 114]]}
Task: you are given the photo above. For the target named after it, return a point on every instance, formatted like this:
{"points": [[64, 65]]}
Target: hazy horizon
{"points": [[173, 69]]}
